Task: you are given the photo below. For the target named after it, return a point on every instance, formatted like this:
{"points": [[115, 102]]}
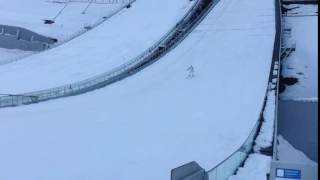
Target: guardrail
{"points": [[169, 41], [279, 31], [69, 38]]}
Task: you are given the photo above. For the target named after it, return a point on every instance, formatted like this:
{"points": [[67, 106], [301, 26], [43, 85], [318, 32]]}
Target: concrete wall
{"points": [[19, 38], [298, 124]]}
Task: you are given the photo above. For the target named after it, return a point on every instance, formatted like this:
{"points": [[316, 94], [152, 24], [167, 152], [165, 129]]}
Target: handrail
{"points": [[275, 133], [69, 38], [170, 40]]}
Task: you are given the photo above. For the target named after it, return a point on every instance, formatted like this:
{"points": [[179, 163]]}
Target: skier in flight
{"points": [[191, 70]]}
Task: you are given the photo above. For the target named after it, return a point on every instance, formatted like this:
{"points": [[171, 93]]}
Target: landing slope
{"points": [[147, 124]]}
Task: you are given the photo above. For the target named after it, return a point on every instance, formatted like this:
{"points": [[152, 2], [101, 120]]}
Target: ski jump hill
{"points": [[148, 118]]}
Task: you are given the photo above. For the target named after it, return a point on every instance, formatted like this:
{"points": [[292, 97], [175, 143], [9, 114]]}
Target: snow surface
{"points": [[313, 99], [30, 14], [255, 167], [302, 63], [286, 152], [119, 39], [156, 120], [10, 53], [265, 137]]}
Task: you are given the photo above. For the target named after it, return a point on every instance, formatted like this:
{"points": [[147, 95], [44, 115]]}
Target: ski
{"points": [[190, 77]]}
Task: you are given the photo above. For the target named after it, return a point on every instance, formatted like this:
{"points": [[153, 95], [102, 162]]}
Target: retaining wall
{"points": [[12, 37]]}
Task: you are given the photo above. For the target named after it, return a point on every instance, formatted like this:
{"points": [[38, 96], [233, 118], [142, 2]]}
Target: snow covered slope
{"points": [[107, 46], [30, 14], [11, 53], [147, 124]]}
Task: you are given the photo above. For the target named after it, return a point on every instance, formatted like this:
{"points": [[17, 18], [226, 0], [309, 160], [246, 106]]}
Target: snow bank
{"points": [[255, 168], [275, 72], [313, 99], [265, 136], [274, 80], [286, 152], [271, 85]]}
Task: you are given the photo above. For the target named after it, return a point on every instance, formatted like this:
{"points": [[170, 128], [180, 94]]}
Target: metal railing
{"points": [[169, 41], [69, 38], [279, 30]]}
